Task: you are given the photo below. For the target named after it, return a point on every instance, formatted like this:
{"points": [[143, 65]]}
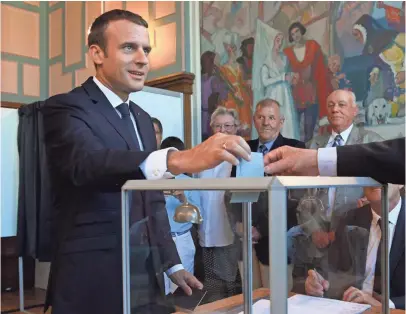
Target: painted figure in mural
{"points": [[271, 77], [311, 84], [246, 59], [395, 17], [238, 91], [389, 47], [338, 78], [213, 90]]}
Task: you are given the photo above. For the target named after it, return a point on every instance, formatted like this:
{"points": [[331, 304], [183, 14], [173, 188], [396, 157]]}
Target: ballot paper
{"points": [[249, 169], [304, 304]]}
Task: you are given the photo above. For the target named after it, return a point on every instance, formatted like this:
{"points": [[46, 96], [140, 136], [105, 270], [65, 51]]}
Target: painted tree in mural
{"points": [[297, 52]]}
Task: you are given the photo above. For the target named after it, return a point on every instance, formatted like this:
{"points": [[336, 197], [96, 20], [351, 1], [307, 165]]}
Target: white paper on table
{"points": [[304, 304]]}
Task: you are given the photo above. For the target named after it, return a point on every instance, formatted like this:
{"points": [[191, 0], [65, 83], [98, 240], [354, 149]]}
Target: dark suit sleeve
{"points": [[77, 154], [383, 161]]}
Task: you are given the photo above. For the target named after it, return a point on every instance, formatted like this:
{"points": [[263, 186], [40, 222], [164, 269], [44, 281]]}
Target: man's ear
{"points": [[96, 54]]}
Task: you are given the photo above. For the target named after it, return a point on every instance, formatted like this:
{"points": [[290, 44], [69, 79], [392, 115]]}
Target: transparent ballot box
{"points": [[323, 242]]}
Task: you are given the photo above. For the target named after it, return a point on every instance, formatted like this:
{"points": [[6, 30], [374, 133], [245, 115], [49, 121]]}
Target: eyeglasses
{"points": [[226, 126]]}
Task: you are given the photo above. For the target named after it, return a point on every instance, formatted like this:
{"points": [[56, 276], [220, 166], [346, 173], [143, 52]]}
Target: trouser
{"points": [[186, 250]]}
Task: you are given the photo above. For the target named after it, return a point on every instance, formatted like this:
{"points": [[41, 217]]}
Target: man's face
{"points": [[296, 34], [124, 65], [268, 122], [158, 135], [340, 110]]}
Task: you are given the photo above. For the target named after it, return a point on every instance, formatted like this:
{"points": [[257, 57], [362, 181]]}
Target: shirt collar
{"points": [[393, 214], [345, 134], [268, 145], [110, 95]]}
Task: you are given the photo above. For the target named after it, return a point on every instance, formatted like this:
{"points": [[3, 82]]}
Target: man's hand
{"points": [[185, 280], [212, 152], [355, 295], [287, 160], [239, 229], [320, 239], [315, 284]]}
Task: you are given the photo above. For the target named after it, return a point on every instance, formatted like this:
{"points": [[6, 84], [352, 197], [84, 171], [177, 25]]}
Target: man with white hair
{"points": [[341, 112]]}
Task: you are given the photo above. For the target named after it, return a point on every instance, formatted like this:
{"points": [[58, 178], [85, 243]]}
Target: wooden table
{"points": [[237, 300]]}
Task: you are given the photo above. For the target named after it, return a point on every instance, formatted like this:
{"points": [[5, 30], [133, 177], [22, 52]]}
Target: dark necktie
{"points": [[338, 141], [263, 149], [377, 276], [124, 110]]}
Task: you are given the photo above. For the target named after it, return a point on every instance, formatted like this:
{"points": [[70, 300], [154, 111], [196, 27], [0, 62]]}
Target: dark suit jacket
{"points": [[345, 260], [260, 208], [91, 156], [383, 161]]}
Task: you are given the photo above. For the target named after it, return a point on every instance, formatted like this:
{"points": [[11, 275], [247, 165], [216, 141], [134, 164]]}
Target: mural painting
{"points": [[297, 53]]}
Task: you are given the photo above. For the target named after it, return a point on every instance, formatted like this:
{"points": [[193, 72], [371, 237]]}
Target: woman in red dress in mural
{"points": [[311, 81]]}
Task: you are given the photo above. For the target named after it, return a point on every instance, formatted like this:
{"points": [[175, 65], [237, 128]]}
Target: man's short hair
{"points": [[97, 30], [267, 102], [158, 123], [173, 141], [298, 25]]}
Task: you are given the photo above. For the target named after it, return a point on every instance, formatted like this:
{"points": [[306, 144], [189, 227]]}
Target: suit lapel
{"points": [[253, 145], [322, 141], [103, 106], [278, 142], [398, 244], [354, 137]]}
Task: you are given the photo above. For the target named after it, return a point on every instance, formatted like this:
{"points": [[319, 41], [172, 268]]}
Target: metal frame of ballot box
{"points": [[277, 188]]}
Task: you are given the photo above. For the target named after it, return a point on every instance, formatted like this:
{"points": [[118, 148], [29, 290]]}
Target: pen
{"points": [[319, 278]]}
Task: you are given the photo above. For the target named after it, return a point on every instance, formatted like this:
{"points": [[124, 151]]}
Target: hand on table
{"points": [[355, 295]]}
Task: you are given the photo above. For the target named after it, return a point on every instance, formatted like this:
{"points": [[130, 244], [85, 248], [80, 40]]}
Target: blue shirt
{"points": [[193, 197]]}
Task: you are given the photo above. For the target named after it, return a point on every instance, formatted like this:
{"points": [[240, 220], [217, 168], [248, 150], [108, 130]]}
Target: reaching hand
{"points": [[186, 280], [315, 284], [287, 160], [208, 154]]}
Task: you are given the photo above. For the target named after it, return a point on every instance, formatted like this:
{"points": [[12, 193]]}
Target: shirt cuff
{"points": [[174, 269], [327, 161], [156, 165], [391, 304]]}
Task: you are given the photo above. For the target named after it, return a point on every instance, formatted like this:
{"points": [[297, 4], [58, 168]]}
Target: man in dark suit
{"points": [[96, 140], [383, 161], [268, 122], [352, 270]]}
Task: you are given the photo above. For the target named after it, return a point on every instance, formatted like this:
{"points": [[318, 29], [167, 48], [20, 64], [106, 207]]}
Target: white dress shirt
{"points": [[215, 231], [373, 244], [155, 166], [344, 135]]}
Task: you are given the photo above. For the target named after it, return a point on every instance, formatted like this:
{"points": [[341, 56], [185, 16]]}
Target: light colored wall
{"points": [[50, 55], [23, 61]]}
